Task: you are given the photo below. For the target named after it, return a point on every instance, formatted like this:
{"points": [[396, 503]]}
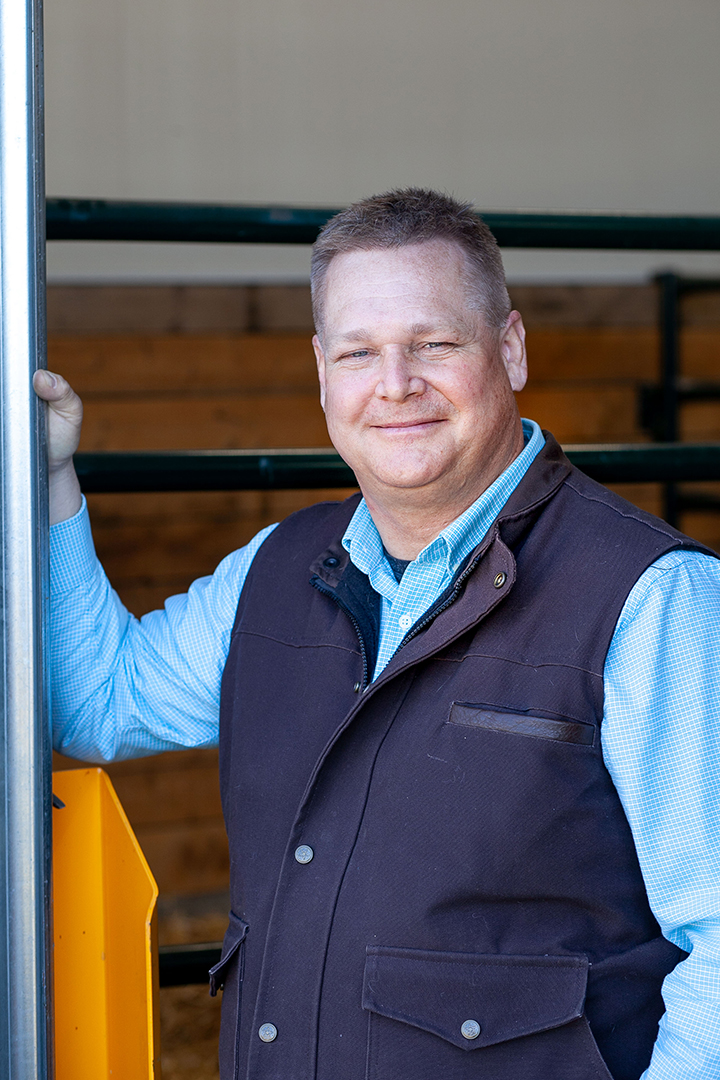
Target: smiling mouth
{"points": [[409, 425]]}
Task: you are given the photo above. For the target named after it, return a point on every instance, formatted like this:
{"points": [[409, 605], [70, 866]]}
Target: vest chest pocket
{"points": [[534, 727], [227, 975], [459, 1016]]}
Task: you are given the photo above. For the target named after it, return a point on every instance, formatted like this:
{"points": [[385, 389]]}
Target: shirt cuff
{"points": [[72, 552]]}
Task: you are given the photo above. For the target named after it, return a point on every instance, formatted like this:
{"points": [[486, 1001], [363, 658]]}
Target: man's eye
{"points": [[438, 345], [358, 354]]}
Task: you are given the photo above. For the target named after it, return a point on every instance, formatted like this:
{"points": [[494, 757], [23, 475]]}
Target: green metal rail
{"points": [[257, 470], [101, 219]]}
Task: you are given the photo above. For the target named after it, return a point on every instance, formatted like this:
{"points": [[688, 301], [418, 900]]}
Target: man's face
{"points": [[417, 391]]}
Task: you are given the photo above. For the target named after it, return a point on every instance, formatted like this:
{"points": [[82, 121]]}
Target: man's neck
{"points": [[406, 531]]}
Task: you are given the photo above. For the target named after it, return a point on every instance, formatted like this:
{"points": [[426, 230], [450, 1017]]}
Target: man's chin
{"points": [[403, 479], [392, 469]]}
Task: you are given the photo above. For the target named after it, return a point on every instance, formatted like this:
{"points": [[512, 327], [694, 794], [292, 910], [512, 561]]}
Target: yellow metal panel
{"points": [[105, 937]]}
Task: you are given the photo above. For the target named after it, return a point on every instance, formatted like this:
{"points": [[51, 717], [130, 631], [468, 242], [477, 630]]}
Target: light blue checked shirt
{"points": [[123, 688]]}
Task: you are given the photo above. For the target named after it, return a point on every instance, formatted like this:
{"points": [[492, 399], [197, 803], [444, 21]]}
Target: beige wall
{"points": [[525, 103]]}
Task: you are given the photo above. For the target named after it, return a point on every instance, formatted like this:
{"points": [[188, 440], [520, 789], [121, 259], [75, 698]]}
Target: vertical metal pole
{"points": [[25, 778], [669, 321]]}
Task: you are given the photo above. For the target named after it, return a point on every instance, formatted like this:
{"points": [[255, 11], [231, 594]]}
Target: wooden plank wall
{"points": [[202, 367]]}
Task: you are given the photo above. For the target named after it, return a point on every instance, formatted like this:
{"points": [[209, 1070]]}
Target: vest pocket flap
{"points": [[474, 1000], [234, 937], [537, 727]]}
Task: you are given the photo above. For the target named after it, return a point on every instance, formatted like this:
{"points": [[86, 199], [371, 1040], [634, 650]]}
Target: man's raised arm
{"points": [[124, 687]]}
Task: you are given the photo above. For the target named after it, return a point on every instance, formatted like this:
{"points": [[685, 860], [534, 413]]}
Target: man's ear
{"points": [[320, 359], [512, 350]]}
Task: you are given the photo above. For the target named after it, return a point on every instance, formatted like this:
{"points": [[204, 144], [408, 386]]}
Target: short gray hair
{"points": [[415, 216]]}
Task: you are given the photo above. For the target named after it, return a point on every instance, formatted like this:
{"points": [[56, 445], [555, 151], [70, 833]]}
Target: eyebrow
{"points": [[355, 335], [416, 329], [454, 326]]}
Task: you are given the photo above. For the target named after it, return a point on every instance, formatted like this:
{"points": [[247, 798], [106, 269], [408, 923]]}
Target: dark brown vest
{"points": [[471, 858]]}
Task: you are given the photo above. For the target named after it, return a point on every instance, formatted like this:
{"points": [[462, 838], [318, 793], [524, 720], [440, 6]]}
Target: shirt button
{"points": [[304, 854], [470, 1029], [268, 1033], [404, 622], [500, 579]]}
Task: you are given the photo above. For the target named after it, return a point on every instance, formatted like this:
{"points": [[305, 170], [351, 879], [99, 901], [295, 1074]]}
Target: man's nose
{"points": [[397, 379]]}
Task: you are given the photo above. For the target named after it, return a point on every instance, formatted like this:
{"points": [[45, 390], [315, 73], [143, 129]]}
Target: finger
{"points": [[44, 384], [49, 386], [53, 388]]}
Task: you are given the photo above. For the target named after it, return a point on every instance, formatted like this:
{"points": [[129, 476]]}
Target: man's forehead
{"points": [[429, 259], [420, 284]]}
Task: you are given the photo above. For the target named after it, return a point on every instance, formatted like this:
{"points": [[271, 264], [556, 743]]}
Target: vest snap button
{"points": [[331, 561], [500, 579], [268, 1033], [470, 1029]]}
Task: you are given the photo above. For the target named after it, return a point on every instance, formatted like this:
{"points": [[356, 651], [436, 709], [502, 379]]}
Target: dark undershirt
{"points": [[398, 566]]}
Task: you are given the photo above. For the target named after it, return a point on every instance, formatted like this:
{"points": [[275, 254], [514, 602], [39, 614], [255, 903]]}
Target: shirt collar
{"points": [[364, 546]]}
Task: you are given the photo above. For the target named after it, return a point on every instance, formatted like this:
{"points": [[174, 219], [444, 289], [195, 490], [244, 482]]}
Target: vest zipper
{"points": [[327, 591], [433, 612]]}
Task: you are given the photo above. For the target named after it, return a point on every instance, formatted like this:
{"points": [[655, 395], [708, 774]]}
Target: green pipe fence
{"points": [[263, 470], [104, 219]]}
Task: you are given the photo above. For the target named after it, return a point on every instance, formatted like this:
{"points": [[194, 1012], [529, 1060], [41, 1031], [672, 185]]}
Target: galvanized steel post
{"points": [[25, 797]]}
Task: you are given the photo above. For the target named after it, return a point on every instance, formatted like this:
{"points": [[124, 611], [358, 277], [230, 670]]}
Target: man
{"points": [[466, 723]]}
